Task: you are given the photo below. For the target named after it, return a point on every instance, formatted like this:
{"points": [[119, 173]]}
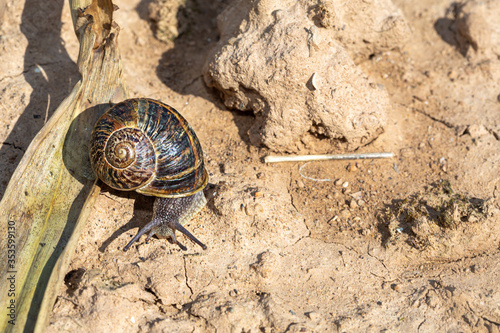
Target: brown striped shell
{"points": [[144, 145]]}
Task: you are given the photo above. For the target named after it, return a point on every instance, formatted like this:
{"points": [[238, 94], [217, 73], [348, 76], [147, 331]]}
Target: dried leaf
{"points": [[51, 193]]}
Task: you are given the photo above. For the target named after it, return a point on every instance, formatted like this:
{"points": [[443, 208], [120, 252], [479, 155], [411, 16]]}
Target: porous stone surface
{"points": [[285, 62], [364, 27]]}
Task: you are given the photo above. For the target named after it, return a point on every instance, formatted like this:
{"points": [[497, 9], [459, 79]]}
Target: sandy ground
{"points": [[286, 252]]}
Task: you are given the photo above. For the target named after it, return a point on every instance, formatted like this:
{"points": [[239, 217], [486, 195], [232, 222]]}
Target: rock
{"points": [[476, 131], [345, 213], [312, 315], [476, 269], [357, 195], [432, 300], [169, 17], [297, 78], [266, 263], [352, 168]]}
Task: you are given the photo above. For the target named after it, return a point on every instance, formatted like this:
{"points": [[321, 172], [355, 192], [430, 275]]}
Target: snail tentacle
{"points": [[180, 228]]}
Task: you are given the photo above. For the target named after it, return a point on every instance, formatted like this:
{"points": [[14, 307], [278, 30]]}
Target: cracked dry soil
{"points": [[285, 252]]}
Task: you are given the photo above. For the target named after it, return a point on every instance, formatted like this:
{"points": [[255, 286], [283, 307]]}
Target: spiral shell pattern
{"points": [[144, 145]]}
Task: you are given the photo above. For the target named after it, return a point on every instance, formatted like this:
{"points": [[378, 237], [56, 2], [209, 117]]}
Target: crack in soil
{"points": [[207, 323], [420, 325], [157, 301], [13, 145], [296, 210], [187, 278], [379, 260], [444, 122], [12, 76], [291, 195], [490, 321], [191, 82], [492, 132]]}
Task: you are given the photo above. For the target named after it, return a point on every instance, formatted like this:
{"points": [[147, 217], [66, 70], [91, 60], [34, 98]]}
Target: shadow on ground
{"points": [[180, 68], [47, 68]]}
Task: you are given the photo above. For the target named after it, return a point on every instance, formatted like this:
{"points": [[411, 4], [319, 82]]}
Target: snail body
{"points": [[146, 146]]}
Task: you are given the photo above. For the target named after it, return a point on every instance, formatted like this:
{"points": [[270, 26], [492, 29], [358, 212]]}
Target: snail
{"points": [[146, 146]]}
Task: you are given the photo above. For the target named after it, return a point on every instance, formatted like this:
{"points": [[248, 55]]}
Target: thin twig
{"points": [[298, 158]]}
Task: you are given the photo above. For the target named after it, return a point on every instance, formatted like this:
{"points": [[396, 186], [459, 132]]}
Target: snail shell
{"points": [[144, 145]]}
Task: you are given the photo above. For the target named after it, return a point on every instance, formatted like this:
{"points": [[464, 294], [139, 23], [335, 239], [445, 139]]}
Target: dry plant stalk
{"points": [[52, 192], [302, 158]]}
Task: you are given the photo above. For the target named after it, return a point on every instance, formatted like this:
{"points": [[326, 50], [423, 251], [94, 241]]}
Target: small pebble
{"points": [[476, 268], [258, 194], [260, 175], [345, 213], [352, 168], [228, 168], [259, 209], [396, 287], [334, 195], [312, 315], [432, 300], [345, 184], [361, 202], [406, 152], [357, 195], [233, 293], [249, 210], [338, 182], [353, 204], [300, 184], [140, 41], [395, 167]]}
